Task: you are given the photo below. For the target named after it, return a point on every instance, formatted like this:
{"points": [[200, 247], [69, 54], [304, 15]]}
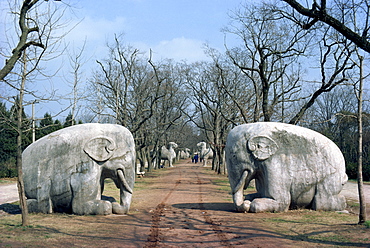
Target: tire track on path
{"points": [[194, 221], [154, 235], [208, 219]]}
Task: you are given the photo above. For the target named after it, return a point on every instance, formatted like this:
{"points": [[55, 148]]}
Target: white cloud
{"points": [[97, 29], [180, 49], [96, 32]]}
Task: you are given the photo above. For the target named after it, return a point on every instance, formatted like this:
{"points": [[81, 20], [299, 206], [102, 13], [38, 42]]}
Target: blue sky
{"points": [[171, 28], [175, 29]]}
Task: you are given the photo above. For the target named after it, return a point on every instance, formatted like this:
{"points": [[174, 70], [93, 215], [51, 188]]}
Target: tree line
{"points": [[279, 72]]}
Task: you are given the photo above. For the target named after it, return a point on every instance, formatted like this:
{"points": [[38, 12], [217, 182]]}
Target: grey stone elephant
{"points": [[65, 170], [168, 153], [204, 152], [293, 167]]}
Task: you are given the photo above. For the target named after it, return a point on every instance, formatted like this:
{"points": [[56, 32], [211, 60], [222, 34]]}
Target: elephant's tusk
{"points": [[124, 182], [241, 182]]}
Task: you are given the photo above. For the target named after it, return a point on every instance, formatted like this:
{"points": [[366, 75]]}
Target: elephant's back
{"points": [[285, 133]]}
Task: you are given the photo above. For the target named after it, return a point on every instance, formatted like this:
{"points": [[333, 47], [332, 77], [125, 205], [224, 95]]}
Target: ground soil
{"points": [[185, 206]]}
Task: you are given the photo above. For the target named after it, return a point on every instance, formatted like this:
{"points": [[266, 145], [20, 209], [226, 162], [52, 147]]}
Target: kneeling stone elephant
{"points": [[65, 170], [294, 167]]}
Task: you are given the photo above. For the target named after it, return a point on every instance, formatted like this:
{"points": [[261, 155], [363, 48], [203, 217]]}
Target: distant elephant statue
{"points": [[204, 152], [65, 170], [168, 153], [293, 167], [184, 154]]}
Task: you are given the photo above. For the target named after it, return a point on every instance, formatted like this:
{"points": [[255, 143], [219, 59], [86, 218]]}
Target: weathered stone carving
{"points": [[185, 153], [204, 152], [294, 167], [168, 153], [65, 170]]}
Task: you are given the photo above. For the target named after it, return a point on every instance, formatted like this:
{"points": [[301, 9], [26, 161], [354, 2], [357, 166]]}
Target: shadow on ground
{"points": [[214, 206], [10, 208]]}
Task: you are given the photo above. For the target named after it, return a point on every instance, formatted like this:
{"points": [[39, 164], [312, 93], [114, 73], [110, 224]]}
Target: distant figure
{"points": [[196, 157]]}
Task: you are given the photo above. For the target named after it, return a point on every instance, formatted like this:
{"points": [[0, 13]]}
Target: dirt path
{"points": [[184, 206], [191, 212], [8, 193]]}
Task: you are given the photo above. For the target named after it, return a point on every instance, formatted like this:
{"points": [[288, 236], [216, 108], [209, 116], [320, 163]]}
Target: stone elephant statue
{"points": [[293, 167], [204, 152], [65, 170], [168, 153]]}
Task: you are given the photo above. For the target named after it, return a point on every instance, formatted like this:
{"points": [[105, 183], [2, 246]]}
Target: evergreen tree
{"points": [[8, 144], [69, 121], [47, 125], [8, 139]]}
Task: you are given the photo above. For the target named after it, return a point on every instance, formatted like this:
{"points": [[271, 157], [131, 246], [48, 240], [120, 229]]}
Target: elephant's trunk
{"points": [[238, 194], [125, 184]]}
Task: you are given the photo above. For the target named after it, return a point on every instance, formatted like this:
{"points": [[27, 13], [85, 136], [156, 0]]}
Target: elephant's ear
{"points": [[100, 148], [262, 147]]}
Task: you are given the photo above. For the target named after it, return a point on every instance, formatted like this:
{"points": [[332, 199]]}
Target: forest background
{"points": [[268, 70]]}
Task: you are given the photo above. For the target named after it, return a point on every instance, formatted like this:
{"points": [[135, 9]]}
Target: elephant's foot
{"points": [[33, 206], [329, 203], [119, 209], [96, 207], [259, 205], [244, 207], [39, 206]]}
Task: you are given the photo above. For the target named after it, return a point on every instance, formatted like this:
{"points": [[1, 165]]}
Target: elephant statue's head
{"points": [[116, 162], [245, 153]]}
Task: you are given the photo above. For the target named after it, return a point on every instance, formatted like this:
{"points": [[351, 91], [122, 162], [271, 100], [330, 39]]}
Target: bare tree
{"points": [[27, 26], [320, 11], [76, 61], [270, 50], [23, 65], [360, 183], [351, 20], [215, 110], [145, 97], [335, 68]]}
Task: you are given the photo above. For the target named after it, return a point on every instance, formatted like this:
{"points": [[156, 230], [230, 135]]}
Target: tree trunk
{"points": [[362, 214], [21, 192]]}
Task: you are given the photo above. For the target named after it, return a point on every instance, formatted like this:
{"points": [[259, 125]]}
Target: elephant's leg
{"points": [[39, 206], [272, 198], [327, 197], [204, 162], [43, 202], [86, 199], [125, 195]]}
